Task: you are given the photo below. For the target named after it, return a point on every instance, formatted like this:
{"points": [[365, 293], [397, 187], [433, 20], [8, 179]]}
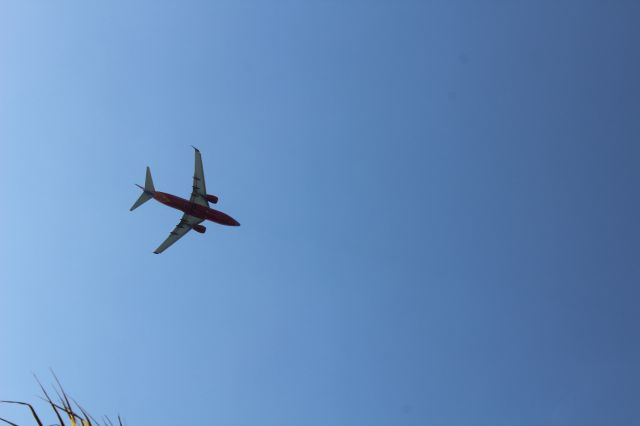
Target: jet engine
{"points": [[199, 228], [212, 198]]}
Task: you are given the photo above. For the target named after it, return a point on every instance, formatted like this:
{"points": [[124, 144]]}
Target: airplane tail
{"points": [[148, 189]]}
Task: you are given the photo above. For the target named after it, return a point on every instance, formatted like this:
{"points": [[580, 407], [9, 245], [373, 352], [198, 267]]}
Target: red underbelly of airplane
{"points": [[221, 218], [196, 210], [210, 214]]}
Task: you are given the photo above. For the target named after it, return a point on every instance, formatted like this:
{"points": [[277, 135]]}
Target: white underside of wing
{"points": [[187, 222], [199, 193]]}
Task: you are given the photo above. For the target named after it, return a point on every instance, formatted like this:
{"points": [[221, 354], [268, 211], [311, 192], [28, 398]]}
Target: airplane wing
{"points": [[186, 223], [199, 193]]}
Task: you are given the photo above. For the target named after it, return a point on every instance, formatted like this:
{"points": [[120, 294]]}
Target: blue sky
{"points": [[439, 205]]}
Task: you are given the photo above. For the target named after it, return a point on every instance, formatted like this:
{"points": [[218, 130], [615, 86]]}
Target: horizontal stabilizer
{"points": [[143, 199]]}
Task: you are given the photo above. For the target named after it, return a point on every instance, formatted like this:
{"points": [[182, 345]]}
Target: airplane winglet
{"points": [[197, 150]]}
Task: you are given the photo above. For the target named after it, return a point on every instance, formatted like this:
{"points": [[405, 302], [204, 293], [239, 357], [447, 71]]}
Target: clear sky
{"points": [[439, 208]]}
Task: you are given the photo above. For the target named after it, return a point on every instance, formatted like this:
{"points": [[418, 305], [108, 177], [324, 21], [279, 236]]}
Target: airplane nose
{"points": [[234, 222]]}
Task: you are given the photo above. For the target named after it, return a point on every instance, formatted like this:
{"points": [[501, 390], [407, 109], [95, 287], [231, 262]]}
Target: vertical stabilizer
{"points": [[148, 182]]}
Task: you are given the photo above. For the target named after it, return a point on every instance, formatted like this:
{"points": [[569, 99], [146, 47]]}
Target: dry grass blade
{"points": [[66, 407], [7, 422], [66, 400], [87, 417], [53, 406], [33, 412]]}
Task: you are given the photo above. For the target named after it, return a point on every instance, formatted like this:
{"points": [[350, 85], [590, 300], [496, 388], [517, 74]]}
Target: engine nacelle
{"points": [[199, 228], [212, 198]]}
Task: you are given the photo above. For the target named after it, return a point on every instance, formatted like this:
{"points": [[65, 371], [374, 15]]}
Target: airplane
{"points": [[196, 210]]}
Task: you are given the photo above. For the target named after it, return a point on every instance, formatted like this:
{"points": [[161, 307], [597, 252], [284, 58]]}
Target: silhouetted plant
{"points": [[63, 409]]}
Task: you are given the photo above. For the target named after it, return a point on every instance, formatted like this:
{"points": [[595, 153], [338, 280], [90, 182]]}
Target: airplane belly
{"points": [[221, 218]]}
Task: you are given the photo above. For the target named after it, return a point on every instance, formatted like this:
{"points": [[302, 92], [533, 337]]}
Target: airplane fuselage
{"points": [[194, 209]]}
